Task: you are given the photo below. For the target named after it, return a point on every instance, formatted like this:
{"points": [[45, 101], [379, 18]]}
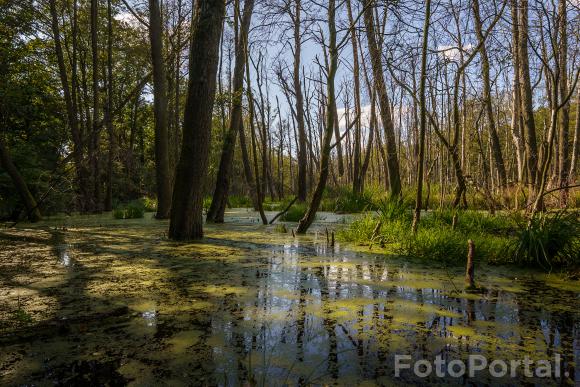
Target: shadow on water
{"points": [[250, 306]]}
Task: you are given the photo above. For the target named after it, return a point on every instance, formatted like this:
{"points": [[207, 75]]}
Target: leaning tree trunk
{"points": [[6, 163], [308, 218], [385, 108], [160, 104], [187, 209], [222, 185]]}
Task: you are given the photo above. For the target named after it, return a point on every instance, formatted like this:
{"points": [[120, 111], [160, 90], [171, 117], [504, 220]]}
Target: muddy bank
{"points": [[114, 302]]}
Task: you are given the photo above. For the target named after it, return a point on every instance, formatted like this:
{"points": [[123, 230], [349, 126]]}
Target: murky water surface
{"points": [[114, 302]]}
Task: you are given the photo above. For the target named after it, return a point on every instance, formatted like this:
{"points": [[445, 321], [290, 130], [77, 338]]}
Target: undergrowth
{"points": [[550, 240], [132, 210]]}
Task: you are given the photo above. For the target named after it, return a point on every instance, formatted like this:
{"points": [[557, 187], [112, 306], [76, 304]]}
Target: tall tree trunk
{"points": [[6, 163], [95, 203], [564, 124], [70, 102], [302, 141], [517, 123], [220, 195], [576, 144], [494, 138], [108, 206], [385, 108], [308, 218], [357, 173], [423, 118], [187, 209], [526, 94], [258, 190], [160, 104]]}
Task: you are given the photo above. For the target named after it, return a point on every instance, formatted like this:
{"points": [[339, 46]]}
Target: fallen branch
{"points": [[284, 211]]}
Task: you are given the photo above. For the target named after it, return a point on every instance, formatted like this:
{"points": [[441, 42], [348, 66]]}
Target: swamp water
{"points": [[113, 302]]}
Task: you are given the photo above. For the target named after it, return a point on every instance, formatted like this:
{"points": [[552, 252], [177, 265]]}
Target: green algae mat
{"points": [[88, 300]]}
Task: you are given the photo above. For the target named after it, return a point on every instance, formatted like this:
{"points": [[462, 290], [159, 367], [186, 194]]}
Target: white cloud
{"points": [[129, 19], [452, 52]]}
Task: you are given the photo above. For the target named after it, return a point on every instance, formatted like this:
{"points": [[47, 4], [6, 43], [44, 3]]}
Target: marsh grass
{"points": [[551, 240]]}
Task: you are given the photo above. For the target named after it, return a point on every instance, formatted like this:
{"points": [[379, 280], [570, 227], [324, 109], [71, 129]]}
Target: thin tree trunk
{"points": [[564, 124], [187, 209], [494, 138], [302, 141], [576, 143], [526, 94], [423, 118], [308, 218], [385, 108], [160, 105], [220, 196], [109, 118], [70, 102], [6, 163], [95, 204]]}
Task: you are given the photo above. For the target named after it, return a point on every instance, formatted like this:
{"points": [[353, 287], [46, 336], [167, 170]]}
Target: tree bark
{"points": [[187, 209], [108, 206], [494, 138], [385, 108], [423, 118], [564, 124], [576, 144], [70, 102], [94, 143], [308, 218], [6, 163], [302, 141], [526, 94], [160, 112], [357, 181], [220, 195]]}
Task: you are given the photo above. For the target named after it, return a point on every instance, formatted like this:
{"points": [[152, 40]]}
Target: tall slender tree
{"points": [[160, 106], [423, 118], [220, 196], [383, 99]]}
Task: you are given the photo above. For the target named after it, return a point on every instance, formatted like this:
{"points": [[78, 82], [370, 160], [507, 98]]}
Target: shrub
{"points": [[349, 202], [149, 204], [206, 203], [238, 201], [295, 213]]}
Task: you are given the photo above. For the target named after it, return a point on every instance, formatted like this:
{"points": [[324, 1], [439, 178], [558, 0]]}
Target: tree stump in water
{"points": [[469, 272]]}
